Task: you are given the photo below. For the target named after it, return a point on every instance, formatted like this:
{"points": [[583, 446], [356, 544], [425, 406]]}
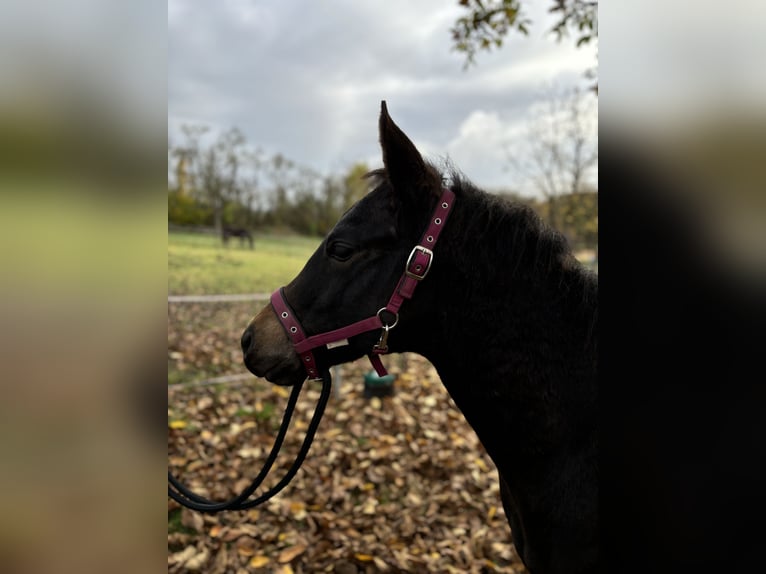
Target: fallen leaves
{"points": [[392, 484]]}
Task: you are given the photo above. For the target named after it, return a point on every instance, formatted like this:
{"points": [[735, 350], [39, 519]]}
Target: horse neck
{"points": [[510, 327]]}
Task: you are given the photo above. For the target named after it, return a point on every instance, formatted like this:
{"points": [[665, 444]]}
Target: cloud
{"points": [[482, 144], [306, 79]]}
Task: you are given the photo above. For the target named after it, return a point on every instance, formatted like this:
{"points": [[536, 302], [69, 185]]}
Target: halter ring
{"points": [[396, 318]]}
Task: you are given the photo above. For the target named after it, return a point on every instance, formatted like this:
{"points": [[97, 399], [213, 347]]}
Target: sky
{"points": [[305, 79]]}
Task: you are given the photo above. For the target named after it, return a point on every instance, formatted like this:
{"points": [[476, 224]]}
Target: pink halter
{"points": [[418, 264]]}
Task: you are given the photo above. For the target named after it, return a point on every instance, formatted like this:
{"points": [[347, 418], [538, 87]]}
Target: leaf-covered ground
{"points": [[391, 484]]}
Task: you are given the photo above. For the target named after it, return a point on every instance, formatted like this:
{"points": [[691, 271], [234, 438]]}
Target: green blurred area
{"points": [[63, 241], [199, 263], [83, 287]]}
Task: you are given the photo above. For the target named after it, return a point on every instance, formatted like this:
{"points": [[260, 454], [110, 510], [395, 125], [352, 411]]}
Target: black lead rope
{"points": [[186, 497]]}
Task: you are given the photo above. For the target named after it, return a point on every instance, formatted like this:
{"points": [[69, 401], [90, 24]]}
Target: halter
{"points": [[415, 270]]}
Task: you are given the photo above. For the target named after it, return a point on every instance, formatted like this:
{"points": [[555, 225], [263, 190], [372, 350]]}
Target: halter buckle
{"points": [[416, 268]]}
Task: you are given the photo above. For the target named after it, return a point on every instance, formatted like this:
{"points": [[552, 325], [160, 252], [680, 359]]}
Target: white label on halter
{"points": [[341, 343]]}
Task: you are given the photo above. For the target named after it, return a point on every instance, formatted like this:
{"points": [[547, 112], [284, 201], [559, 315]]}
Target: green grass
{"points": [[200, 264], [174, 523]]}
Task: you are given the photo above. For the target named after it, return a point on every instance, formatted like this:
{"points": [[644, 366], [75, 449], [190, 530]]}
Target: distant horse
{"points": [[507, 316], [241, 232]]}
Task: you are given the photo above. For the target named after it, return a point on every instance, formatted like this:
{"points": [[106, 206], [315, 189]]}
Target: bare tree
{"points": [[560, 149], [187, 157], [213, 171]]}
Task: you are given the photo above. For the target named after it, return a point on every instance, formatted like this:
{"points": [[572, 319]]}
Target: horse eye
{"points": [[340, 250]]}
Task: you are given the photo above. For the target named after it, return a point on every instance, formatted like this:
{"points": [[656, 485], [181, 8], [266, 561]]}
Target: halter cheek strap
{"points": [[415, 270]]}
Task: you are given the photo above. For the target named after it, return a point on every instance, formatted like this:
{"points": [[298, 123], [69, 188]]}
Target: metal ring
{"points": [[430, 239], [285, 314], [445, 205], [396, 318], [438, 221], [293, 329]]}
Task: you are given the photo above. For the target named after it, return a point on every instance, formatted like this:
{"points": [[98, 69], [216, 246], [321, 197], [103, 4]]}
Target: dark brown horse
{"points": [[507, 316], [241, 232]]}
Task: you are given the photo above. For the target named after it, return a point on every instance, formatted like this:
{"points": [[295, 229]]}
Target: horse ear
{"points": [[404, 165]]}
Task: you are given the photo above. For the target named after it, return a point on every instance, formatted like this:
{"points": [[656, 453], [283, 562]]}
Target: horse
{"points": [[240, 232], [504, 312]]}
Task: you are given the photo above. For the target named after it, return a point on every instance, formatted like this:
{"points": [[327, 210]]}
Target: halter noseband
{"points": [[418, 264]]}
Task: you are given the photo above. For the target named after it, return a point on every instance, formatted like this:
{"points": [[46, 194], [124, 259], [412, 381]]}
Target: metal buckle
{"points": [[382, 345], [420, 275]]}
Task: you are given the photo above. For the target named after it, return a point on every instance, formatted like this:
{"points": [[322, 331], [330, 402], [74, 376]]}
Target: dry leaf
{"points": [[298, 510], [363, 557], [259, 561], [198, 561], [221, 561], [192, 519], [249, 452], [204, 403], [182, 556], [246, 547], [290, 553]]}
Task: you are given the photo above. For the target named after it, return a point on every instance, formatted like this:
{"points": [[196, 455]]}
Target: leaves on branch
{"points": [[488, 22]]}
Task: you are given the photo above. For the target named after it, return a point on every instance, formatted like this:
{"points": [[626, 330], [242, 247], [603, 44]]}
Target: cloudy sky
{"points": [[305, 79]]}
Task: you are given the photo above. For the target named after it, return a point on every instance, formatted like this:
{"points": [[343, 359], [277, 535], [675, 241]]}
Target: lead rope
{"points": [[187, 498], [417, 267]]}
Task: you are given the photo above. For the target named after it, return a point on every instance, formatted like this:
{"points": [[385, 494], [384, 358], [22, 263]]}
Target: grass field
{"points": [[201, 264]]}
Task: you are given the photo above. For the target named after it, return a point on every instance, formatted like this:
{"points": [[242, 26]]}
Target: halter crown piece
{"points": [[418, 264]]}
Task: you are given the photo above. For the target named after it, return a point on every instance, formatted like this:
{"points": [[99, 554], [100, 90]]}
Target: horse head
{"points": [[355, 269]]}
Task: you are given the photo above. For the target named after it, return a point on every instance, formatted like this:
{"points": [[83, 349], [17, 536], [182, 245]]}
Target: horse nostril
{"points": [[247, 340]]}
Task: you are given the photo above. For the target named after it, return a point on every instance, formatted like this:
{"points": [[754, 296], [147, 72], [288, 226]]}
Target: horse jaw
{"points": [[270, 354]]}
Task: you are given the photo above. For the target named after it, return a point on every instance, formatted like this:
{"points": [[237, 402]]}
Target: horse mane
{"points": [[512, 240], [512, 231]]}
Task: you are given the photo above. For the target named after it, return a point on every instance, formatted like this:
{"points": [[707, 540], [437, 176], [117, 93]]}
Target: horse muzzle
{"points": [[268, 352]]}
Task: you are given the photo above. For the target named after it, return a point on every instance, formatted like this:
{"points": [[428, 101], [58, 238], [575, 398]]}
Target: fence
{"points": [[203, 334]]}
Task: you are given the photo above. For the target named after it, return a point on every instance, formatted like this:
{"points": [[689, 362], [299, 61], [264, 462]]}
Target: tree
{"points": [[559, 151], [219, 171], [211, 173], [355, 184], [489, 21], [187, 156]]}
